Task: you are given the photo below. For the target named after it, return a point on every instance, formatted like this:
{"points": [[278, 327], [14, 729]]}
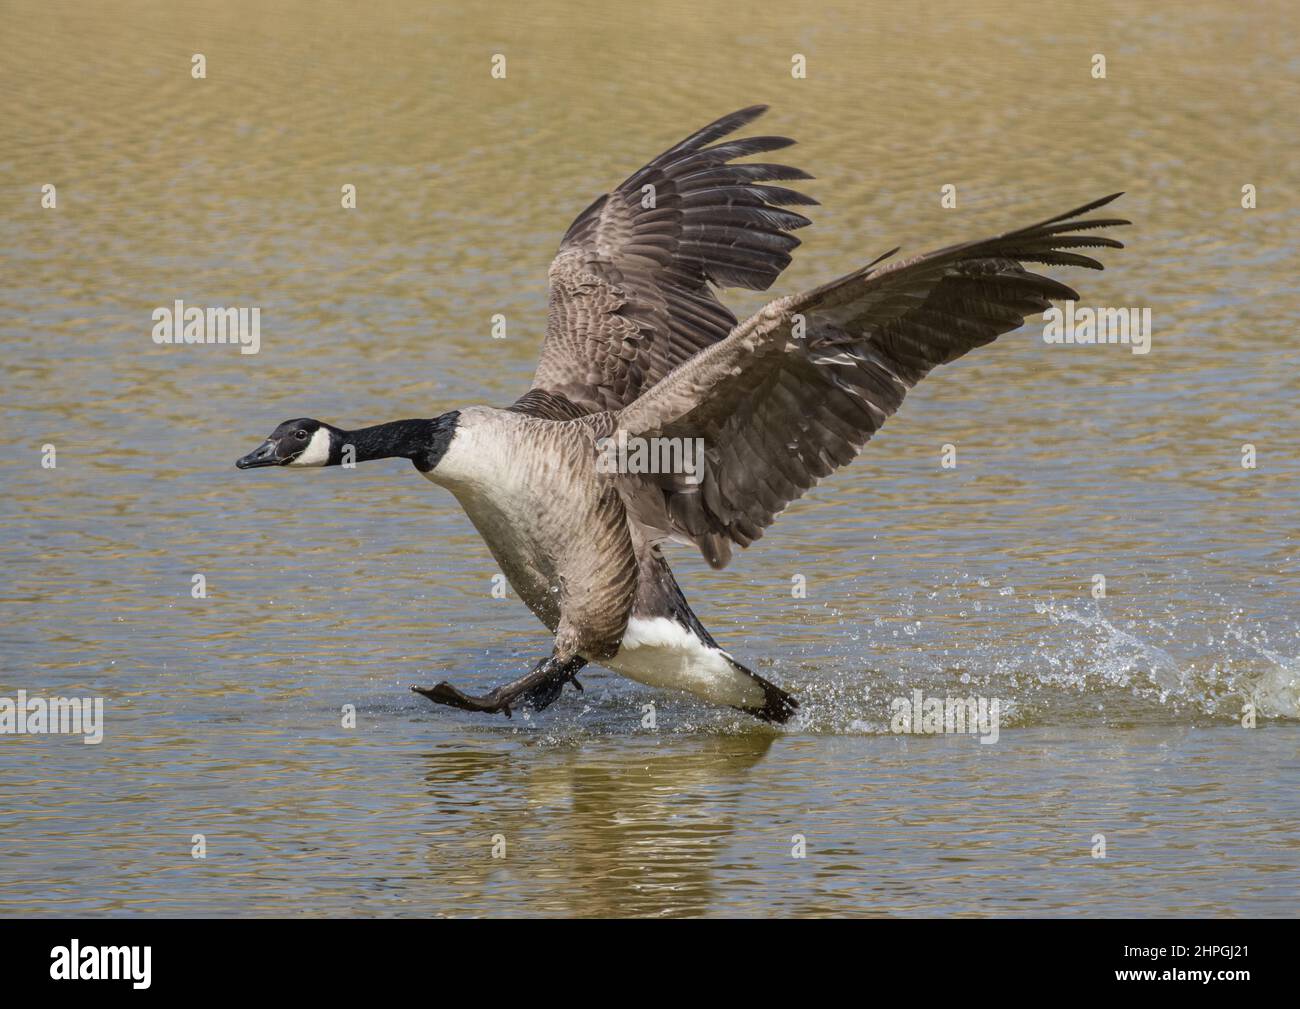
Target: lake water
{"points": [[1121, 716]]}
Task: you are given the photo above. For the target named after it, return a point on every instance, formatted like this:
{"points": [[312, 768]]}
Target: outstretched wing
{"points": [[778, 411], [630, 296]]}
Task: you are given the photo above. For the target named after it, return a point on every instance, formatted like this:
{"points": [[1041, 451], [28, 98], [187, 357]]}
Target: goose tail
{"points": [[778, 705]]}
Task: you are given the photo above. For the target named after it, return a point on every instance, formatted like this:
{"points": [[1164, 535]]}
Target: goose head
{"points": [[302, 442]]}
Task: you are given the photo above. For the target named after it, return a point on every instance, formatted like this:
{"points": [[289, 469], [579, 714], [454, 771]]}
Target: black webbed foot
{"points": [[544, 694], [538, 689], [445, 693]]}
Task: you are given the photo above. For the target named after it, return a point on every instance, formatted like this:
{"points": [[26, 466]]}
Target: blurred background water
{"points": [[1122, 715]]}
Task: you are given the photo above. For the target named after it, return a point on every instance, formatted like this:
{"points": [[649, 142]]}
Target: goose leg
{"points": [[536, 689]]}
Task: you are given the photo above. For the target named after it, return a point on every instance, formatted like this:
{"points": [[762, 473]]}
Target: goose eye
{"points": [[300, 435]]}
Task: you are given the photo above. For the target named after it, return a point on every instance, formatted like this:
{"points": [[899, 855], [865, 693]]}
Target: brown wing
{"points": [[778, 412], [630, 296]]}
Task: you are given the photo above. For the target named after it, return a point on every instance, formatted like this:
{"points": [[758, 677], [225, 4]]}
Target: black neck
{"points": [[421, 441]]}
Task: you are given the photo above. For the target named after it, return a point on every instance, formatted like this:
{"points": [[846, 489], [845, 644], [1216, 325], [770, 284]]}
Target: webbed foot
{"points": [[538, 689], [445, 693]]}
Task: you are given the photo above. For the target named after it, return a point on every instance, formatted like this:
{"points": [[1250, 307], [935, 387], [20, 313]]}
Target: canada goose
{"points": [[638, 347]]}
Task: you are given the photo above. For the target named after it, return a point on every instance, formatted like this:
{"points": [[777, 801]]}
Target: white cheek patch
{"points": [[317, 452]]}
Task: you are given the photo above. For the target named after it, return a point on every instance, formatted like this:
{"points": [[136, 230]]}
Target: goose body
{"points": [[527, 485], [638, 347]]}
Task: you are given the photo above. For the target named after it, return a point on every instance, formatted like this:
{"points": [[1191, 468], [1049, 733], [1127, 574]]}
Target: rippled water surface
{"points": [[1121, 715]]}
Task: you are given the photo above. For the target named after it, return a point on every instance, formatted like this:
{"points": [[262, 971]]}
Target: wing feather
{"points": [[632, 285], [778, 412]]}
